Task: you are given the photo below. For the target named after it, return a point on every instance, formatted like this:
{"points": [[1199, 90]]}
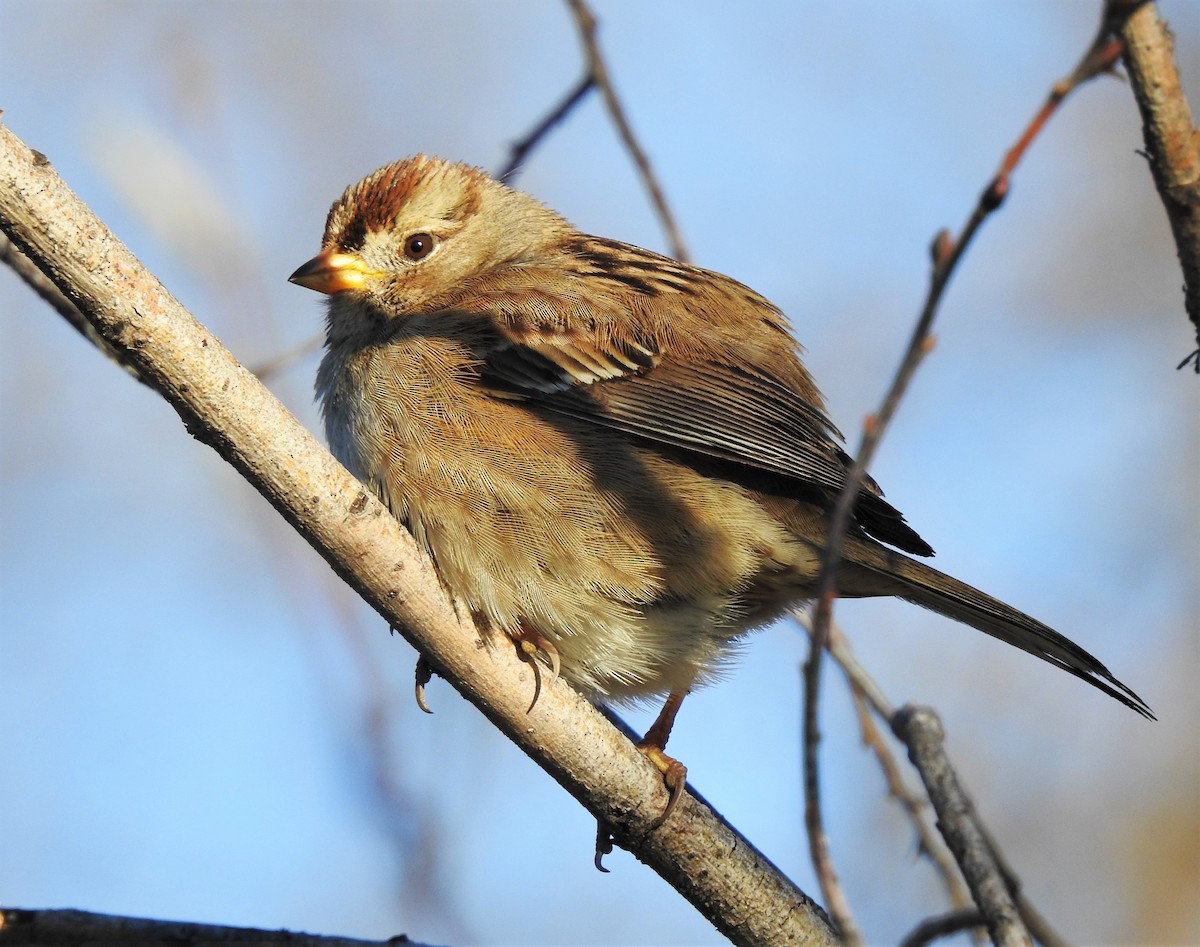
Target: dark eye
{"points": [[418, 246]]}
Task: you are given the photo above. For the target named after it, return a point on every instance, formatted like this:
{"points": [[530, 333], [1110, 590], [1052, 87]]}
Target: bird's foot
{"points": [[533, 649], [424, 674], [674, 776]]}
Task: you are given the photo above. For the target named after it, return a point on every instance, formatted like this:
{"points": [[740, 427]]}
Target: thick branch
{"points": [[222, 404]]}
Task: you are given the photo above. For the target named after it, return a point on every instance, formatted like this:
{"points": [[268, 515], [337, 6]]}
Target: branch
{"points": [[1172, 141], [222, 404], [920, 729], [868, 694], [522, 148], [585, 20], [1099, 58], [869, 699], [20, 927], [944, 925], [20, 264], [931, 845], [1039, 927], [814, 825]]}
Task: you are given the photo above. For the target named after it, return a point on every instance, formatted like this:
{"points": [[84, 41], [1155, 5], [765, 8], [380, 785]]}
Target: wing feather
{"points": [[734, 414]]}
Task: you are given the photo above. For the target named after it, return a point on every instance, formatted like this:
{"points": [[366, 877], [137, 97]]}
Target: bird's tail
{"points": [[918, 583]]}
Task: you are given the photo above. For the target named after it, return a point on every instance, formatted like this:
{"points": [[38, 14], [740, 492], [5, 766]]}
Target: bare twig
{"points": [[1100, 58], [586, 21], [1172, 141], [869, 699], [522, 148], [921, 731], [867, 694], [947, 252], [287, 358], [943, 925], [818, 843], [28, 928], [1039, 927], [223, 405]]}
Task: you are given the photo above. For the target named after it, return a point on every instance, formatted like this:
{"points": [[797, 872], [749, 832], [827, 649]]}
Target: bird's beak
{"points": [[329, 272]]}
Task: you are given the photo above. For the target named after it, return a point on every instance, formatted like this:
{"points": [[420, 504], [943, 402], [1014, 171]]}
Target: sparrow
{"points": [[614, 458]]}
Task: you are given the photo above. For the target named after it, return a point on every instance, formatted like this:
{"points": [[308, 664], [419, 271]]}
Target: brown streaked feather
{"points": [[713, 407]]}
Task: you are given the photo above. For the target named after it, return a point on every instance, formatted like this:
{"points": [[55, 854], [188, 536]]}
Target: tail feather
{"points": [[918, 583]]}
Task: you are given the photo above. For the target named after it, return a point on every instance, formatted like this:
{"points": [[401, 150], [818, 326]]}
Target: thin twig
{"points": [[836, 902], [947, 252], [869, 699], [943, 925], [521, 149], [586, 21], [867, 693], [1100, 58], [287, 358], [1039, 927]]}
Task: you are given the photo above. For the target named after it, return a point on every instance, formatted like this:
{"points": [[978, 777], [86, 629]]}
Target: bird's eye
{"points": [[418, 246]]}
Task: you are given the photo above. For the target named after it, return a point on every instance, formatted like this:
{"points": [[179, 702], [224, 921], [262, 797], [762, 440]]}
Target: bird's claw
{"points": [[530, 645], [674, 776], [424, 674]]}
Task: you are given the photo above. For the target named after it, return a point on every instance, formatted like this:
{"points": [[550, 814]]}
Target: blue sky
{"points": [[201, 725]]}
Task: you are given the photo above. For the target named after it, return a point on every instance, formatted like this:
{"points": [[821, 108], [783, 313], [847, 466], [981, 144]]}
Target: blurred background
{"points": [[201, 724]]}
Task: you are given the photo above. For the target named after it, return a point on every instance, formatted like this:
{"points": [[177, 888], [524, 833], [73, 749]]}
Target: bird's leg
{"points": [[653, 745], [529, 644]]}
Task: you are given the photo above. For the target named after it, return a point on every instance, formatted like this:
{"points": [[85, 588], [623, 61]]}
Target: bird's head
{"points": [[401, 239]]}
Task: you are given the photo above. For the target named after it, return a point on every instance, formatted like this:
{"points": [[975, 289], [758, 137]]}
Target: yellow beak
{"points": [[329, 272]]}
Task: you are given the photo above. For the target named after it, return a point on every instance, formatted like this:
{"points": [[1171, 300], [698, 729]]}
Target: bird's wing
{"points": [[736, 415]]}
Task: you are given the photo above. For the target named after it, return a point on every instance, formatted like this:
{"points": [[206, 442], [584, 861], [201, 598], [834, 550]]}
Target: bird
{"points": [[614, 458]]}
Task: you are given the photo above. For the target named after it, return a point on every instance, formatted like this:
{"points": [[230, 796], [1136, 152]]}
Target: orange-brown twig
{"points": [[1100, 57]]}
